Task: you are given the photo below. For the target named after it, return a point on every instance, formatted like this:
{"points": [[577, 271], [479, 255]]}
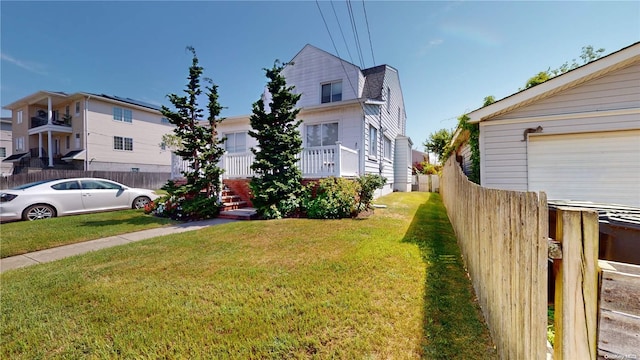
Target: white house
{"points": [[85, 131], [354, 122], [576, 136]]}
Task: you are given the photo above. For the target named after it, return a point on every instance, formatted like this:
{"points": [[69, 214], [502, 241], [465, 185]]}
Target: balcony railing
{"points": [[315, 162], [40, 121]]}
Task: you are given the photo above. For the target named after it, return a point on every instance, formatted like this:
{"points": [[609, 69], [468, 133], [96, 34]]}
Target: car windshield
{"points": [[26, 186]]}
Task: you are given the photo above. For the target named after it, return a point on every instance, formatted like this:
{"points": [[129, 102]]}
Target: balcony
{"points": [[315, 162], [41, 120]]}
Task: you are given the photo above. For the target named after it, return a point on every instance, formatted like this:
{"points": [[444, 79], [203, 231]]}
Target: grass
{"points": [[25, 236], [293, 288]]}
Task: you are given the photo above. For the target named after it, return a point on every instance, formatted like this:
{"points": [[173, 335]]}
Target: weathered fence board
{"points": [[619, 325], [503, 239], [576, 296]]}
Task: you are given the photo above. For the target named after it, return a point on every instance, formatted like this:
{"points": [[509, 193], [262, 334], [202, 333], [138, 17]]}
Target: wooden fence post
{"points": [[576, 297]]}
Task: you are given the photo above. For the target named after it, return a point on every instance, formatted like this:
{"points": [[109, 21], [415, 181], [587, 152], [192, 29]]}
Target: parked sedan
{"points": [[51, 198]]}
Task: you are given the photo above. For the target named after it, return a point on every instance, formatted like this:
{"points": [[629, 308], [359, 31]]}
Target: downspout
{"points": [[86, 132]]}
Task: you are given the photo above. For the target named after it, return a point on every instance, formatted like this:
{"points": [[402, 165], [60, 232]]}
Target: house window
{"points": [[120, 114], [236, 142], [68, 141], [77, 107], [135, 170], [332, 92], [373, 141], [163, 146], [122, 143], [67, 110], [19, 117], [20, 143], [322, 134], [387, 147], [3, 151], [164, 120], [77, 140]]}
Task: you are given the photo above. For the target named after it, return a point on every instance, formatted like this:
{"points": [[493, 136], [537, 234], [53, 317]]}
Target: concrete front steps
{"points": [[233, 207], [245, 213]]}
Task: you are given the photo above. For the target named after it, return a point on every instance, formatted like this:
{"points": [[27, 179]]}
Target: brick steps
{"points": [[233, 207]]}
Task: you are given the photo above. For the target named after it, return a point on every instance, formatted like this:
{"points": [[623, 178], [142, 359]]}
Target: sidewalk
{"points": [[43, 256]]}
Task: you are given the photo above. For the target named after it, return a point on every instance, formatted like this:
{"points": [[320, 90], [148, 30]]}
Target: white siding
{"points": [[402, 164], [609, 103], [464, 152], [616, 90], [237, 124], [312, 67]]}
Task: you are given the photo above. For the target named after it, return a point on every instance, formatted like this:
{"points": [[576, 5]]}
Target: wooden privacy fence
{"points": [[147, 180], [503, 236]]}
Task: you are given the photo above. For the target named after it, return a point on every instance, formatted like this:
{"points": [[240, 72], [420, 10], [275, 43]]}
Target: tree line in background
{"points": [[277, 188], [440, 142]]}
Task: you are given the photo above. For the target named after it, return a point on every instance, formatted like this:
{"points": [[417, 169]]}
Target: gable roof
{"points": [[373, 76], [570, 79]]}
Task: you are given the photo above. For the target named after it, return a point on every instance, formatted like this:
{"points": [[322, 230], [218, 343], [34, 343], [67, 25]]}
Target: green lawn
{"points": [[25, 236], [390, 286]]}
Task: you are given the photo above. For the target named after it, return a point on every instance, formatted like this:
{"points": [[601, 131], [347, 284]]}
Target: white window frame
{"points": [[20, 143], [77, 107], [321, 125], [388, 144], [125, 143], [122, 115], [3, 152], [373, 141], [77, 140], [19, 117], [331, 85], [234, 149]]}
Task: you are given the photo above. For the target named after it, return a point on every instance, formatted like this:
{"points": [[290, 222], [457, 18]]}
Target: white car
{"points": [[51, 198]]}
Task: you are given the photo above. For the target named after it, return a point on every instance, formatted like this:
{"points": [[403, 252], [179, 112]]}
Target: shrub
{"points": [[185, 207], [368, 185], [334, 198]]}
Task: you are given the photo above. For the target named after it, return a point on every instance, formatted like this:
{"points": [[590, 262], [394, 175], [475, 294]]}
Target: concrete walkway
{"points": [[61, 252]]}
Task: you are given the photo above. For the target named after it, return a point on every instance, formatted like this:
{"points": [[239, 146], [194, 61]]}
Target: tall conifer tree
{"points": [[199, 144], [277, 186]]}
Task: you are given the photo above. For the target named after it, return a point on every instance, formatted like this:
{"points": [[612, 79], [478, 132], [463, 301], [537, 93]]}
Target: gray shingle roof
{"points": [[373, 82]]}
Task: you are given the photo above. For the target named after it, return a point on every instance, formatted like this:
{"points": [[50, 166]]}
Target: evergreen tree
{"points": [[277, 186], [198, 145]]}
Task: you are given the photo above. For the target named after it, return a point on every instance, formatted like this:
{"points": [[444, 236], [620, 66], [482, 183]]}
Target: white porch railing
{"points": [[316, 162]]}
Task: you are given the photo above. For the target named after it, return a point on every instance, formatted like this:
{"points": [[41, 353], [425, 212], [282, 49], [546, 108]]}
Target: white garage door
{"points": [[600, 167]]}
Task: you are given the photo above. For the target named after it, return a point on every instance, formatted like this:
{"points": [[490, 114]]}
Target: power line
{"points": [[355, 33], [368, 32], [336, 49], [341, 33]]}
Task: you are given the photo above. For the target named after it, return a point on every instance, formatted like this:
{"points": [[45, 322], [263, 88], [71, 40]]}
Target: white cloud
{"points": [[429, 45], [29, 66]]}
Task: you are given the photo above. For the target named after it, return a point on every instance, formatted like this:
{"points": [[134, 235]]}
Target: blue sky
{"points": [[450, 54]]}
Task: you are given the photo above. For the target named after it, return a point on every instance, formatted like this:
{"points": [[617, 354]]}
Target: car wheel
{"points": [[38, 212], [140, 202]]}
